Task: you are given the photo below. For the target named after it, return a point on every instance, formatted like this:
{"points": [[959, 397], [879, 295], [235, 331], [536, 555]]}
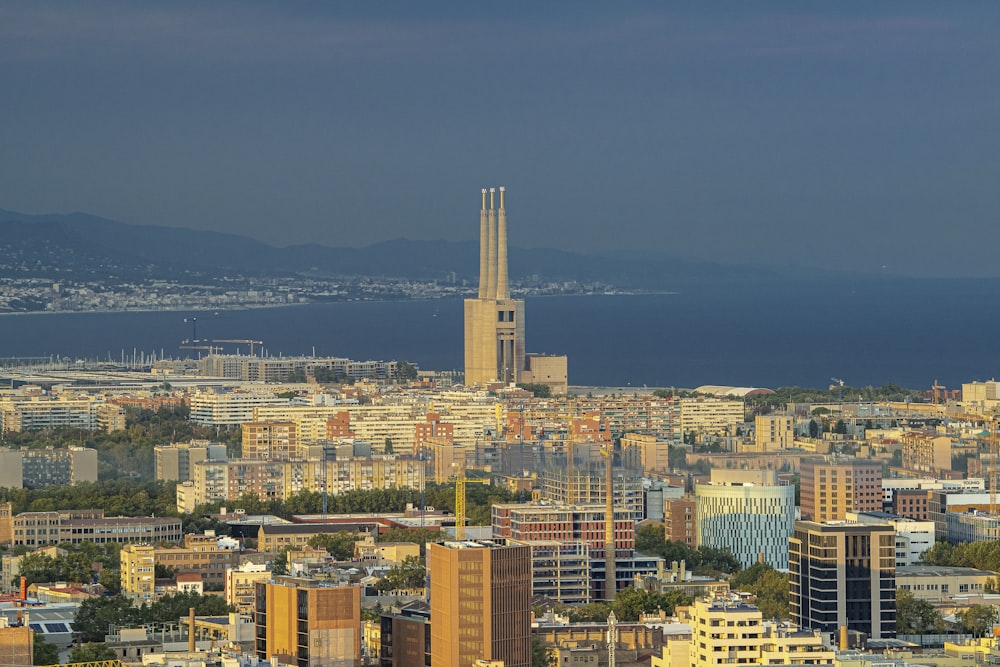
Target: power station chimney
{"points": [[491, 251], [191, 644], [484, 254], [503, 289]]}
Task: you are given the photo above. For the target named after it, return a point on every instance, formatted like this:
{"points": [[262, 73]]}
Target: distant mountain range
{"points": [[81, 246]]}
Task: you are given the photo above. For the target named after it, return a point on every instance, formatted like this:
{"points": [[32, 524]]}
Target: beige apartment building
{"points": [[138, 573], [711, 416], [772, 432], [270, 441], [277, 480], [831, 487], [240, 583], [647, 451], [727, 631], [175, 462], [200, 554], [927, 452]]}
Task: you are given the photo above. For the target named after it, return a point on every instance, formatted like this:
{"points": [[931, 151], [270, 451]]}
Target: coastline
{"points": [[247, 307]]}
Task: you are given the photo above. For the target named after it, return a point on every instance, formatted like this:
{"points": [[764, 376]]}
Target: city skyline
{"points": [[846, 137]]}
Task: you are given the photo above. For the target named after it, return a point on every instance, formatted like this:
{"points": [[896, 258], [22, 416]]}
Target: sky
{"points": [[860, 136]]}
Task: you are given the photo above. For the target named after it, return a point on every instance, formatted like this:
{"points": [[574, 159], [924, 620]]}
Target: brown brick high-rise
{"points": [[480, 603]]}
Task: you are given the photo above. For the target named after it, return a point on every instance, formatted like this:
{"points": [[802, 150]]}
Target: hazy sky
{"points": [[859, 135]]}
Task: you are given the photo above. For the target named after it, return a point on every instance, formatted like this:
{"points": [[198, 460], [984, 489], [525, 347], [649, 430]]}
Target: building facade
{"points": [[480, 603], [175, 462], [753, 520], [831, 487], [494, 322], [728, 631], [35, 529], [843, 574], [308, 623]]}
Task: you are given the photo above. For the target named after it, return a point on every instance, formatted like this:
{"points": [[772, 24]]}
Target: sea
{"points": [[911, 333]]}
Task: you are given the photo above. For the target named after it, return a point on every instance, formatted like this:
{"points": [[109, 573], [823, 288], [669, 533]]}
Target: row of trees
{"points": [[628, 605], [919, 617], [96, 615], [651, 540], [980, 555]]}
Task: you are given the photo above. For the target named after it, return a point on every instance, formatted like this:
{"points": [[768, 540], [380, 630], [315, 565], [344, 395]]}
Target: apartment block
{"points": [[138, 573], [536, 521], [41, 468], [927, 452], [200, 554], [228, 480], [31, 411], [175, 462], [647, 452], [240, 585], [831, 487], [728, 631], [711, 416], [679, 521], [772, 432], [270, 441]]}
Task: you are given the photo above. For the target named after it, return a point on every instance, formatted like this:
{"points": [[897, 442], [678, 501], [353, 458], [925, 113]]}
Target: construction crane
{"points": [[460, 482], [245, 341], [935, 387]]}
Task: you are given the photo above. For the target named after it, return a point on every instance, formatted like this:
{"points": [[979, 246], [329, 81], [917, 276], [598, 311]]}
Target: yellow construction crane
{"points": [[460, 481]]}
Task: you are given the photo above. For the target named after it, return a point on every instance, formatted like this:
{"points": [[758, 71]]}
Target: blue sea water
{"points": [[907, 332]]}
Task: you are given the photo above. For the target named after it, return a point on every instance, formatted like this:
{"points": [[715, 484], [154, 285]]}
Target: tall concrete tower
{"points": [[494, 323]]}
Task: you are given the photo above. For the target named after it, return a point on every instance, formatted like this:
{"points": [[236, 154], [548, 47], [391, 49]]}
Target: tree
{"points": [[388, 446], [279, 565], [405, 371], [92, 652], [916, 617], [340, 545], [978, 620], [97, 615], [541, 652], [840, 427], [768, 585], [408, 575], [813, 429], [538, 389], [169, 608], [45, 652], [297, 376]]}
